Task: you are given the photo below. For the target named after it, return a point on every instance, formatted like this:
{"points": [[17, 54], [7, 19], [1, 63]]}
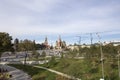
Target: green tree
{"points": [[5, 42], [95, 50], [16, 42], [43, 54], [52, 62], [35, 54], [110, 50], [63, 44], [26, 45]]}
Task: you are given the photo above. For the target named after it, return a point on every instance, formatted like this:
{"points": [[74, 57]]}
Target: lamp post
{"points": [[25, 58], [119, 65], [102, 62], [79, 44]]}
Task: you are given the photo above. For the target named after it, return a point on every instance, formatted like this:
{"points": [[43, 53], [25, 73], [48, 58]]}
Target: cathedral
{"points": [[60, 44]]}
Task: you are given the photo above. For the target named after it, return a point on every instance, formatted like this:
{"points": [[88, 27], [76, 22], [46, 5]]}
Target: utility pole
{"points": [[102, 59], [79, 40], [91, 38]]}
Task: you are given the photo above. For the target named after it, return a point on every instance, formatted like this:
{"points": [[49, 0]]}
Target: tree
{"points": [[5, 42], [94, 50], [40, 46], [43, 54], [26, 45], [63, 44], [52, 62], [16, 42], [110, 50], [35, 54]]}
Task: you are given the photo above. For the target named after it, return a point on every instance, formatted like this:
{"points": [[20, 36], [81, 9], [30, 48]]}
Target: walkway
{"points": [[16, 73], [59, 73]]}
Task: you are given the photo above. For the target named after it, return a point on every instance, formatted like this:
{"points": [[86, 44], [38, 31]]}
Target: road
{"points": [[16, 73], [59, 73]]}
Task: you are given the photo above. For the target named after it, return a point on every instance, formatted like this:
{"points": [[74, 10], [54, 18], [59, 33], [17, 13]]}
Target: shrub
{"points": [[39, 77]]}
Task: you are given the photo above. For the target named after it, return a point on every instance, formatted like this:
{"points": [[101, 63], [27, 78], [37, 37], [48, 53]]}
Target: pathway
{"points": [[16, 73], [59, 73]]}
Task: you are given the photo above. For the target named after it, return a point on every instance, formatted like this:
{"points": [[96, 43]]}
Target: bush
{"points": [[52, 62], [94, 70], [39, 77]]}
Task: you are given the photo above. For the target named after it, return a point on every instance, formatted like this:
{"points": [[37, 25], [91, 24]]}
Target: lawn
{"points": [[85, 69], [37, 73]]}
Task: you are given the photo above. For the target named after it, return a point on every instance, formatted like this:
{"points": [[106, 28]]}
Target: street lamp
{"points": [[101, 57], [118, 65], [25, 58]]}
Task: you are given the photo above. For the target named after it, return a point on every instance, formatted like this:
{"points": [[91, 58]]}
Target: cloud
{"points": [[54, 17], [35, 6]]}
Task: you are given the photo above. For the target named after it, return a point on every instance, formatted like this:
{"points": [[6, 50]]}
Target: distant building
{"points": [[87, 46], [76, 47], [73, 47], [47, 46], [114, 43]]}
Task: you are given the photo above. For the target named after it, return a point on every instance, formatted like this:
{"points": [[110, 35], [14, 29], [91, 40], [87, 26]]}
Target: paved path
{"points": [[16, 73], [59, 73]]}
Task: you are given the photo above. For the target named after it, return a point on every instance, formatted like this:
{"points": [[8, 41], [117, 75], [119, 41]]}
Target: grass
{"points": [[36, 73], [86, 69]]}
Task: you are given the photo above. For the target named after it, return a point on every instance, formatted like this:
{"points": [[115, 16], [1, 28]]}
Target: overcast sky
{"points": [[35, 19]]}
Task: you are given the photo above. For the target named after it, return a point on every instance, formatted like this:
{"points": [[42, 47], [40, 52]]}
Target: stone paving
{"points": [[16, 73]]}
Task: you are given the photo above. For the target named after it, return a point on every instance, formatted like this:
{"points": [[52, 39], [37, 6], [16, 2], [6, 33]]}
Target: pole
{"points": [[91, 38], [102, 62], [118, 65], [79, 46], [25, 58], [80, 40]]}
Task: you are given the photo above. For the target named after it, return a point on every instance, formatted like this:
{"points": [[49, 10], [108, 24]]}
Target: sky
{"points": [[36, 19]]}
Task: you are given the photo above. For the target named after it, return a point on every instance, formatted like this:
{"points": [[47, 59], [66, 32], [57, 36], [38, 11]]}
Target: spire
{"points": [[46, 41], [59, 40]]}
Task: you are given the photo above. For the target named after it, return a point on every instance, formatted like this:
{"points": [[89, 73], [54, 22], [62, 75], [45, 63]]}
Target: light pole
{"points": [[79, 44], [119, 65], [102, 62]]}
